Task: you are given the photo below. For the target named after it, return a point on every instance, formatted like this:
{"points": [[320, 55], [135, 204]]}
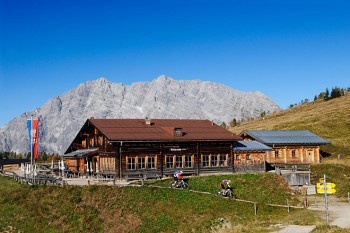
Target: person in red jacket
{"points": [[178, 176], [225, 185]]}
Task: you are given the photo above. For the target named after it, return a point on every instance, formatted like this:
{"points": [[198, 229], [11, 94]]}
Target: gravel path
{"points": [[339, 211], [339, 214], [295, 229]]}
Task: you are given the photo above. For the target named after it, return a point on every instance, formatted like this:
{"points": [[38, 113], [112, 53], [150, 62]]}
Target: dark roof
{"points": [[249, 146], [272, 137], [162, 130], [80, 153]]}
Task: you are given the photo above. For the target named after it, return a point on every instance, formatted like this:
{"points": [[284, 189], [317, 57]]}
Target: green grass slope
{"points": [[328, 119], [147, 209]]}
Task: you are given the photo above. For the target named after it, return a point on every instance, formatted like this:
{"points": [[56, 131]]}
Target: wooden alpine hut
{"points": [[127, 148]]}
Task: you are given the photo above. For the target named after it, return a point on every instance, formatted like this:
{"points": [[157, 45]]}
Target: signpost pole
{"points": [[326, 198]]}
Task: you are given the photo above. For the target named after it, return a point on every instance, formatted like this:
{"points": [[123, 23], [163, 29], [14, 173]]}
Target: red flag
{"points": [[35, 137]]}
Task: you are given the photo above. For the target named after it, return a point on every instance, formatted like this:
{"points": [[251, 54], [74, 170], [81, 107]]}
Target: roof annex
{"points": [[285, 137]]}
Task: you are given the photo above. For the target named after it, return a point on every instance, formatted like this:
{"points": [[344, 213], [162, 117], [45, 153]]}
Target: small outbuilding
{"points": [[292, 152], [288, 146]]}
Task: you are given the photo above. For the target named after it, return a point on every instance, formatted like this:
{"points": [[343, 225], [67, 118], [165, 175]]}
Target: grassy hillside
{"points": [[328, 119], [335, 173], [147, 209]]}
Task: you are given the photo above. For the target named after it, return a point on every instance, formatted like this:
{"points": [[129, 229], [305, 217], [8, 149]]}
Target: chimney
{"points": [[148, 121], [178, 132]]}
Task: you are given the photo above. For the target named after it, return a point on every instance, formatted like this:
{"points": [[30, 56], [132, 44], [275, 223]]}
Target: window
{"points": [[276, 154], [150, 162], [73, 162], [188, 161], [141, 163], [92, 142], [205, 160], [294, 154], [214, 160], [100, 141], [179, 162], [223, 161], [247, 157], [238, 157], [169, 161], [131, 164]]}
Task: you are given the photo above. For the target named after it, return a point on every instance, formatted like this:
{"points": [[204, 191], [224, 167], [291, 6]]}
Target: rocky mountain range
{"points": [[62, 116]]}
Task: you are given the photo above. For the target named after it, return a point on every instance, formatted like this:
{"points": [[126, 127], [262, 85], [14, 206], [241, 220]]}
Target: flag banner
{"points": [[35, 135], [33, 130], [29, 124]]}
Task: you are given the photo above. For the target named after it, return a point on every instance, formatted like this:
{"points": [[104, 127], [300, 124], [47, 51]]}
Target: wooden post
{"points": [[255, 209], [349, 197], [114, 181], [288, 207]]}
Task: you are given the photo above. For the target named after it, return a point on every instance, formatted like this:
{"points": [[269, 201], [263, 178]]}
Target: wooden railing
{"points": [[37, 180]]}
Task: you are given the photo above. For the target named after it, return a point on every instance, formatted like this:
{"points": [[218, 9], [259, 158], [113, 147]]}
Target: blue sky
{"points": [[288, 50]]}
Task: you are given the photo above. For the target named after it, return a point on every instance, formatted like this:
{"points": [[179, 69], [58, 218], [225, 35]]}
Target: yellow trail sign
{"points": [[329, 191], [328, 185]]}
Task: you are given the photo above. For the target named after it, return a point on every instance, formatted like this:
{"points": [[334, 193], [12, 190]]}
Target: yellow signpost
{"points": [[325, 188], [328, 185], [330, 188], [329, 191]]}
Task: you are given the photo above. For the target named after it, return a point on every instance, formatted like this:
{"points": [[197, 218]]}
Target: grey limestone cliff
{"points": [[62, 117]]}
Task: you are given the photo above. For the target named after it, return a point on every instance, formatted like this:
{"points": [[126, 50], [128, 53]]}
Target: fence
{"points": [[37, 180]]}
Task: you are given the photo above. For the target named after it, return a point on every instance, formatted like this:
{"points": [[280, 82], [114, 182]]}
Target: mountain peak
{"points": [[102, 80], [164, 97], [163, 78]]}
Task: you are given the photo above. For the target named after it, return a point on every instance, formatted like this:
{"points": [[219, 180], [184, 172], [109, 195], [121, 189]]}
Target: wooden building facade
{"points": [[288, 146], [249, 156], [292, 152], [153, 148]]}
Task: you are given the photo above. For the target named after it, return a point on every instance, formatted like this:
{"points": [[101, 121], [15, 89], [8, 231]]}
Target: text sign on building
{"points": [[178, 149]]}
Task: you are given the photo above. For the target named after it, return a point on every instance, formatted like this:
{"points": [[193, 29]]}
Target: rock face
{"points": [[62, 117]]}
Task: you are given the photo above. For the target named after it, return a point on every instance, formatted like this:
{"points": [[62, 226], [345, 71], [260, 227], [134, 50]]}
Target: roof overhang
{"points": [[80, 153]]}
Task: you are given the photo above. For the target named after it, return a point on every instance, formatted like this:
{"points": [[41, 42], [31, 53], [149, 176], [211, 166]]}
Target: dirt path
{"points": [[339, 214], [339, 210]]}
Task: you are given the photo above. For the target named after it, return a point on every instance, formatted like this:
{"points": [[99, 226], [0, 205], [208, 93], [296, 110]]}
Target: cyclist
{"points": [[225, 186], [178, 176]]}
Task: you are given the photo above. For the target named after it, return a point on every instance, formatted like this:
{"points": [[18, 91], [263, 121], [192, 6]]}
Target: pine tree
{"points": [[223, 125], [326, 94], [233, 123], [335, 93]]}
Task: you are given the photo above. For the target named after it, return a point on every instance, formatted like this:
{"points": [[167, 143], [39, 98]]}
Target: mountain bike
{"points": [[180, 184]]}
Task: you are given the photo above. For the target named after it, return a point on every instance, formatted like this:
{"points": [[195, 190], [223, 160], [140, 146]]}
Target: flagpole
{"points": [[31, 145]]}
